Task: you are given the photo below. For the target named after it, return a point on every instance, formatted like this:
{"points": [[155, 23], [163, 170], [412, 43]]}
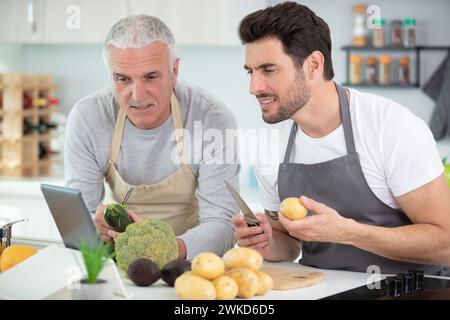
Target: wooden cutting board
{"points": [[291, 278]]}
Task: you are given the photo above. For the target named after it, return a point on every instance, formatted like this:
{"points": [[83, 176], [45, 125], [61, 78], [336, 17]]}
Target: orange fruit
{"points": [[292, 209], [14, 255]]}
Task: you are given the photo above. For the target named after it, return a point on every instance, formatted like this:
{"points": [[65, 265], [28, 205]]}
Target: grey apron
{"points": [[341, 185]]}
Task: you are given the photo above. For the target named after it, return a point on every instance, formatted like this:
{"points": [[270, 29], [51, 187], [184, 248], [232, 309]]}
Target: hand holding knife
{"points": [[249, 216]]}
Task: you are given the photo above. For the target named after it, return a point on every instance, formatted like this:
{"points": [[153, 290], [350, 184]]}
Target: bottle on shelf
{"points": [[355, 69], [43, 151], [403, 70], [359, 32], [27, 101], [409, 33], [28, 127], [45, 102], [378, 35], [384, 71], [371, 70], [45, 126], [396, 33]]}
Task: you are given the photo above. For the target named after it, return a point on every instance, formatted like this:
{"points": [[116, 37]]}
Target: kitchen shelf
{"points": [[416, 50], [379, 86], [19, 153]]}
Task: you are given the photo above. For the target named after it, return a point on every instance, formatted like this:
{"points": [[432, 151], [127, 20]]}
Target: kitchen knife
{"points": [[249, 217]]}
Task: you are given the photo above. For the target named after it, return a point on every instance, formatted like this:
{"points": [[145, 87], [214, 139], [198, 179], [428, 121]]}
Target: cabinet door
{"points": [[81, 21], [199, 22], [22, 21]]}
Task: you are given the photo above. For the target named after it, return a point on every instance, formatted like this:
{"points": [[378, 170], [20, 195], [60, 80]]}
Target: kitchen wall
{"points": [[79, 69]]}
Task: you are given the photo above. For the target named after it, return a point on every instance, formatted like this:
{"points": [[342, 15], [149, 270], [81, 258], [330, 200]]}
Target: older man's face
{"points": [[143, 83]]}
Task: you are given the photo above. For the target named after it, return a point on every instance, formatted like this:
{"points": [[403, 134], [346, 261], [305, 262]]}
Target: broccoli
{"points": [[152, 239]]}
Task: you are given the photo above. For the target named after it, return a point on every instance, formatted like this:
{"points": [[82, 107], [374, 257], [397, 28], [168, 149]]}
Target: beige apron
{"points": [[172, 199]]}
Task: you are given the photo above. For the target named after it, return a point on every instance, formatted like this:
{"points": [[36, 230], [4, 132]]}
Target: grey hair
{"points": [[137, 32]]}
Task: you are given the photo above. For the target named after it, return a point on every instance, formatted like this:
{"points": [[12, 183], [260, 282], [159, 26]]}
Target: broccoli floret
{"points": [[152, 239]]}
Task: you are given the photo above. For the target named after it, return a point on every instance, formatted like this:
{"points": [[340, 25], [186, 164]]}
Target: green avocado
{"points": [[117, 217]]}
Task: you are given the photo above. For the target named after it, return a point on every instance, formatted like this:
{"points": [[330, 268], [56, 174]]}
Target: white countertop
{"points": [[335, 282]]}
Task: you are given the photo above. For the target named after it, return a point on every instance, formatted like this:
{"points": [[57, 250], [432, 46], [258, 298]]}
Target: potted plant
{"points": [[447, 170], [93, 288]]}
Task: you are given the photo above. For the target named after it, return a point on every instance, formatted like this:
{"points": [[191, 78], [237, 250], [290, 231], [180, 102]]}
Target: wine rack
{"points": [[26, 129]]}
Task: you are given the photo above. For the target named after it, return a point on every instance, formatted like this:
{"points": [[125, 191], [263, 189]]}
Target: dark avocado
{"points": [[143, 272], [172, 270]]}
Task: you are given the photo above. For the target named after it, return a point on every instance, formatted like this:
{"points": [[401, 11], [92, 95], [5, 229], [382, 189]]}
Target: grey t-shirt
{"points": [[146, 158]]}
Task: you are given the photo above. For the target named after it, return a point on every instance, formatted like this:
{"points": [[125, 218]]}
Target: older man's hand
{"points": [[107, 233]]}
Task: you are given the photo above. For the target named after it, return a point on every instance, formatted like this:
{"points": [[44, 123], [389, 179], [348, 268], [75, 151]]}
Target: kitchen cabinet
{"points": [[199, 22], [193, 22], [81, 21], [22, 21]]}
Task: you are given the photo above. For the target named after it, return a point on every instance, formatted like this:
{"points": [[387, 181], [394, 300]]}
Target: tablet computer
{"points": [[71, 215]]}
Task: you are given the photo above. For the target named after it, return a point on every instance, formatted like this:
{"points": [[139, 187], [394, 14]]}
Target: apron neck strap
{"points": [[118, 133], [120, 122], [346, 119], [346, 122], [178, 125]]}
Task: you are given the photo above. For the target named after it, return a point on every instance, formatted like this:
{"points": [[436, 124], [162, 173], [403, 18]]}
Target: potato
{"points": [[247, 281], [243, 258], [226, 288], [292, 209], [265, 283], [208, 265], [189, 286]]}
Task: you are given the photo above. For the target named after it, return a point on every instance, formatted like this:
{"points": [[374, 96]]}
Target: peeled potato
{"points": [[247, 281], [208, 265], [189, 286], [226, 288], [292, 209], [265, 283], [243, 258]]}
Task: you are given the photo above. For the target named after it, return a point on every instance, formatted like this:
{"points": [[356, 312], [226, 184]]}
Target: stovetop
{"points": [[433, 288]]}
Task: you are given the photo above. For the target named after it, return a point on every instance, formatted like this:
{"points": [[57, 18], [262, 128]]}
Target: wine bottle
{"points": [[45, 126], [43, 151], [28, 127], [27, 101]]}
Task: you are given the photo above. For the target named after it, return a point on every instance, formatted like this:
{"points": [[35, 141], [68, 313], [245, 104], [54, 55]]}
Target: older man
{"points": [[123, 134]]}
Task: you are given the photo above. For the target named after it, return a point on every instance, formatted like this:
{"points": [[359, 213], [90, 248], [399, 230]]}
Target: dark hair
{"points": [[297, 27]]}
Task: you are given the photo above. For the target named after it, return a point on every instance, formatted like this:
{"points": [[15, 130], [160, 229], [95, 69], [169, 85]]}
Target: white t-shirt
{"points": [[396, 149]]}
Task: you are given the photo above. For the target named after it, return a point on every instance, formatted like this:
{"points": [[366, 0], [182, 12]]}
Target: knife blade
{"points": [[249, 216]]}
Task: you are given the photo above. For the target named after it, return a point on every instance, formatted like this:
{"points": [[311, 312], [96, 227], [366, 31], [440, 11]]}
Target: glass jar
{"points": [[403, 70], [359, 31], [396, 33], [371, 70], [409, 33], [378, 35], [355, 69], [384, 70]]}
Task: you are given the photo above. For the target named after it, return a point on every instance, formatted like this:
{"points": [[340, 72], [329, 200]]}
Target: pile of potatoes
{"points": [[235, 274]]}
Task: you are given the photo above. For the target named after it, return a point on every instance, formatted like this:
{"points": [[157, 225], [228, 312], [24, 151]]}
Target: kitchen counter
{"points": [[335, 282]]}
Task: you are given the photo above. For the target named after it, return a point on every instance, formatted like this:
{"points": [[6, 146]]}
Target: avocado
{"points": [[117, 217], [172, 270], [144, 272]]}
